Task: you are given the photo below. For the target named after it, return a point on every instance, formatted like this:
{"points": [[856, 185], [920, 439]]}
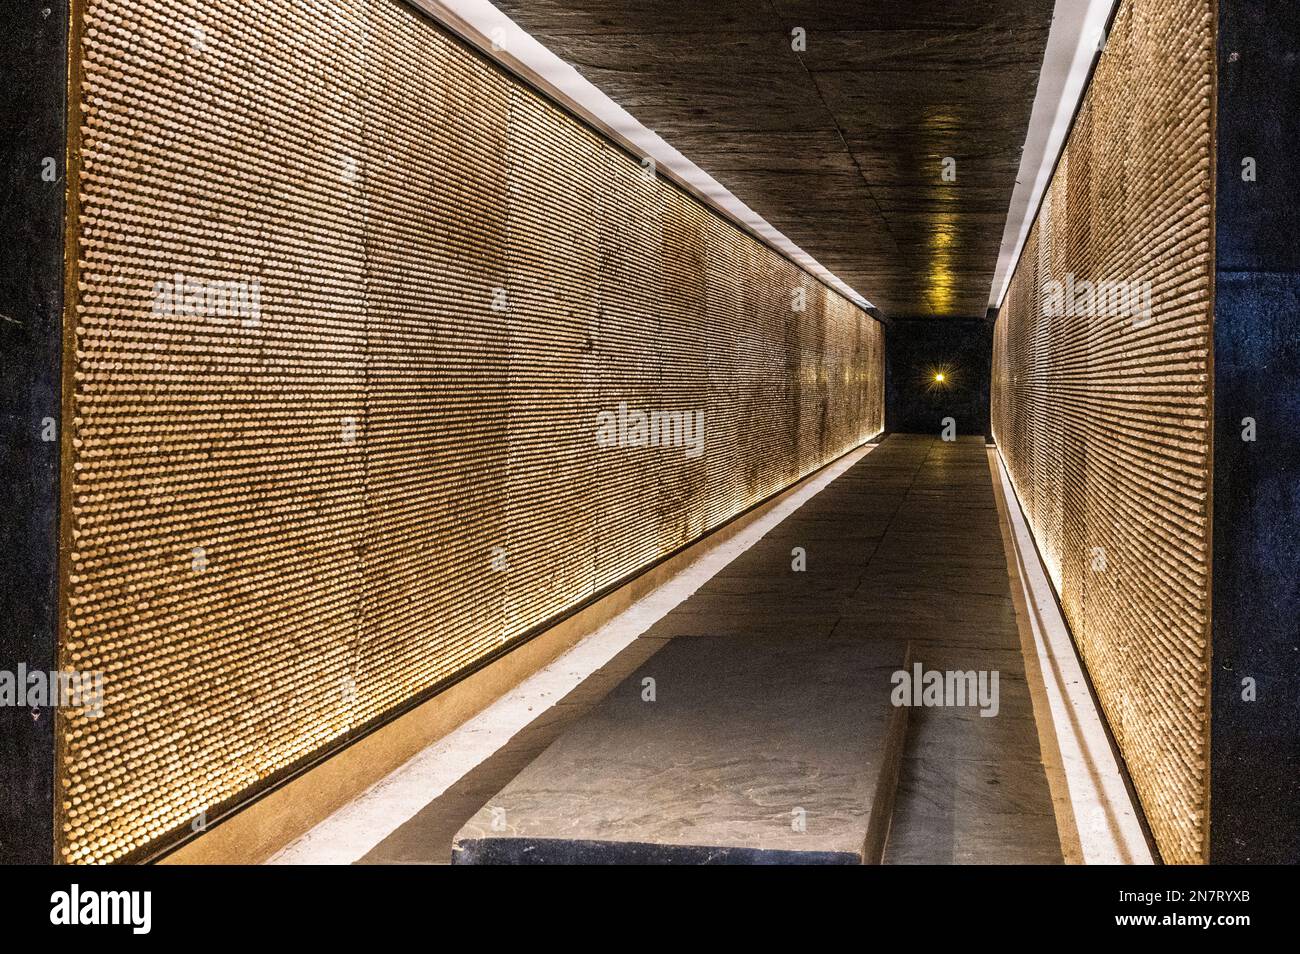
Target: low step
{"points": [[717, 750]]}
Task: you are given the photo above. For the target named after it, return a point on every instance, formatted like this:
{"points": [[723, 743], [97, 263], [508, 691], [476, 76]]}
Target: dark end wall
{"points": [[33, 75], [1255, 744], [916, 350]]}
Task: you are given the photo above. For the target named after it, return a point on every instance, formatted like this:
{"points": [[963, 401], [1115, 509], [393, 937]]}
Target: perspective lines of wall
{"points": [[1101, 398], [379, 363]]}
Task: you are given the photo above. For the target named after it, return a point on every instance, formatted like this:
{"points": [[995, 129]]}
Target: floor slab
{"points": [[764, 751]]}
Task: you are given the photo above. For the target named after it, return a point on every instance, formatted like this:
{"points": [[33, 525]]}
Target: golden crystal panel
{"points": [[286, 526]]}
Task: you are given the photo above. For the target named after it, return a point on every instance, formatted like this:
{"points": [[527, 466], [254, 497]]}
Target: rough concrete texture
{"points": [[33, 117], [756, 749], [840, 145]]}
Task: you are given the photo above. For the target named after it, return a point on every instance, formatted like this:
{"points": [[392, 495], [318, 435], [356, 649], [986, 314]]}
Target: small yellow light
{"points": [[939, 377]]}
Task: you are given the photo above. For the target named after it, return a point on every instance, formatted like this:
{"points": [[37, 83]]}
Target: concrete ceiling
{"points": [[840, 146]]}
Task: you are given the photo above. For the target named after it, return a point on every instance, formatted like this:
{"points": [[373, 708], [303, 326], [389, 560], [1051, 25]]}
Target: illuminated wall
{"points": [[1101, 410], [350, 303]]}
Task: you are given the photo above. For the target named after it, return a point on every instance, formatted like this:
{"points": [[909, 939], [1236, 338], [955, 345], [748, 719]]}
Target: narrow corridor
{"points": [[586, 431]]}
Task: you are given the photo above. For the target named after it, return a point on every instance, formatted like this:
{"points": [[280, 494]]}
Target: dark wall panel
{"points": [[33, 136], [916, 352], [1255, 778]]}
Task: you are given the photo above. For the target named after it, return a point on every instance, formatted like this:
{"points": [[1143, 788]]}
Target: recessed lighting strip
{"points": [[1073, 45]]}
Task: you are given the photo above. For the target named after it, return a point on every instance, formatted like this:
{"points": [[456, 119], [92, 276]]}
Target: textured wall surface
{"points": [[357, 453], [1102, 412]]}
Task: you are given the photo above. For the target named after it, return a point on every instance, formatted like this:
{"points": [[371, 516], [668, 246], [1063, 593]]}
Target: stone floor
{"points": [[904, 547], [720, 750]]}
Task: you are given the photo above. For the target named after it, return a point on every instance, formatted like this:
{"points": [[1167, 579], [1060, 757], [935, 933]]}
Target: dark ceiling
{"points": [[841, 146]]}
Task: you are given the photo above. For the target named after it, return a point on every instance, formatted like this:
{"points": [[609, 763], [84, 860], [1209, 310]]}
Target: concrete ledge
{"points": [[1098, 817]]}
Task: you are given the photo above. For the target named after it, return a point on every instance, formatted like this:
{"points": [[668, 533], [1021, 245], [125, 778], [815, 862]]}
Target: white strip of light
{"points": [[1078, 32], [486, 27]]}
